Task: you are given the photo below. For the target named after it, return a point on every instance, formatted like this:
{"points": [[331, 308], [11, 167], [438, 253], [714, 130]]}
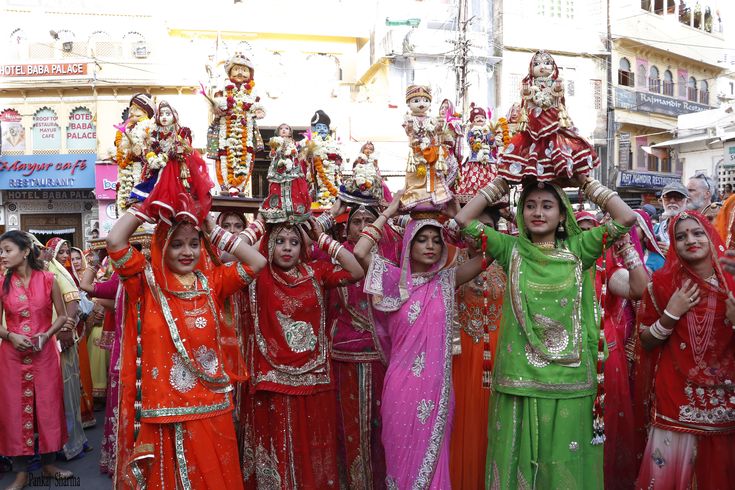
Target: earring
{"points": [[560, 228]]}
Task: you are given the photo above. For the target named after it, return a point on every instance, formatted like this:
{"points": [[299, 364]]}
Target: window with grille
{"points": [[597, 93], [654, 82], [560, 9], [625, 76], [692, 89], [668, 85], [703, 92]]}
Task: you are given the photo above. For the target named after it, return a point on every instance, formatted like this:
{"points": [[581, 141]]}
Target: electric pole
{"points": [[610, 146], [461, 58]]}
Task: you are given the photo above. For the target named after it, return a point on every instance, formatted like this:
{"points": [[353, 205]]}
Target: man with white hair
{"points": [[674, 199], [701, 190]]}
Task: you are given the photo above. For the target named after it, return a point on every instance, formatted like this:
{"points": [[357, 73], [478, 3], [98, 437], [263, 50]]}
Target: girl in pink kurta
{"points": [[32, 389]]}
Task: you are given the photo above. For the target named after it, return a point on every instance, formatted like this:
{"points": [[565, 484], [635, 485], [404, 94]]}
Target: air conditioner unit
{"points": [[140, 50], [67, 46]]}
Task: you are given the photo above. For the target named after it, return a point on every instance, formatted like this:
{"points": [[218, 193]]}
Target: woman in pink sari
{"points": [[416, 299]]}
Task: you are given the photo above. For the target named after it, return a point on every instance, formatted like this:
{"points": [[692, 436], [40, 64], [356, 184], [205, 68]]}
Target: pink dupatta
{"points": [[417, 404]]}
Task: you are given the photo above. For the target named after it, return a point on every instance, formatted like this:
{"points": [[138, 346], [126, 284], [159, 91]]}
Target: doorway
{"points": [[44, 227]]}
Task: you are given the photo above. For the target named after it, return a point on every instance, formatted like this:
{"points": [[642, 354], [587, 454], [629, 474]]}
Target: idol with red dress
{"points": [[547, 146]]}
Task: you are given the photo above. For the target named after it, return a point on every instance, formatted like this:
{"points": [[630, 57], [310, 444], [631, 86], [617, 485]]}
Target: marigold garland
{"points": [[503, 123], [241, 153], [319, 166]]}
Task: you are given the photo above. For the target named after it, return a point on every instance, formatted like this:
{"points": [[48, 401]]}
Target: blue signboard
{"points": [[75, 171], [645, 180]]}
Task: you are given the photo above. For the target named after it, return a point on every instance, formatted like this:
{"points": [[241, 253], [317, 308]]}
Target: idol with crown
{"points": [[131, 141], [426, 187], [289, 199], [323, 154], [479, 169], [236, 110], [547, 146]]}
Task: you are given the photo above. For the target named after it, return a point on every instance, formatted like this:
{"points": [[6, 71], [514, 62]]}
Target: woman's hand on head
{"points": [[394, 205], [313, 230], [208, 224]]}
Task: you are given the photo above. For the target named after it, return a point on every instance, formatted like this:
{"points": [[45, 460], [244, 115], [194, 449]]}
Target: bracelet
{"points": [[326, 221], [633, 264], [675, 318], [323, 242], [138, 214], [364, 234], [224, 240], [659, 331], [254, 231]]}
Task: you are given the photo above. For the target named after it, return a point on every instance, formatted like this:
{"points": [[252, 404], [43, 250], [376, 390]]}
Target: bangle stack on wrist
{"points": [[224, 240], [659, 331], [372, 233], [495, 190], [327, 244], [326, 221], [630, 257], [597, 193], [137, 213], [254, 231]]}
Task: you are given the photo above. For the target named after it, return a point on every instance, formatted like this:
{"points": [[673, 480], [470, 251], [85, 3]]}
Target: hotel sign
{"points": [[644, 180], [656, 103], [44, 70]]}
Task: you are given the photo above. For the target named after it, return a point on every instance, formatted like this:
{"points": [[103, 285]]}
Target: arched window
{"points": [[18, 44], [642, 74], [704, 92], [654, 82], [668, 84], [101, 44], [692, 89], [625, 76], [134, 45]]}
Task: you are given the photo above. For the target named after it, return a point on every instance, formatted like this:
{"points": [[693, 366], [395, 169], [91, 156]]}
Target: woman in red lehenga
{"points": [[175, 423], [289, 419], [686, 325], [359, 362], [625, 278]]}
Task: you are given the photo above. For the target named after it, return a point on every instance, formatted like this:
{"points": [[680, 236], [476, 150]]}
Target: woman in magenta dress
{"points": [[416, 302], [32, 388]]}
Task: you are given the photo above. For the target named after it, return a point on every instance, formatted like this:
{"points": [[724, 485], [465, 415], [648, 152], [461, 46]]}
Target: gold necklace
{"points": [[545, 245], [188, 281]]}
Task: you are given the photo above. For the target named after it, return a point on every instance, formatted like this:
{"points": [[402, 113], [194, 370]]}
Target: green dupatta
{"points": [[550, 326]]}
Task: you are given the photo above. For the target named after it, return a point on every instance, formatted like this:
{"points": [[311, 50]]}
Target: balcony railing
{"points": [[668, 88], [654, 85]]}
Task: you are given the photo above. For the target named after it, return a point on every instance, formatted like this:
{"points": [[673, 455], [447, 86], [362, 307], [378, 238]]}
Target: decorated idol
{"points": [[236, 110], [365, 186], [547, 146], [426, 188], [324, 156], [130, 145], [288, 192], [450, 136], [480, 167]]}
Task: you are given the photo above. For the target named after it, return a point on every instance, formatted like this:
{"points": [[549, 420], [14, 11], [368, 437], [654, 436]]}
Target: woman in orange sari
{"points": [[175, 423]]}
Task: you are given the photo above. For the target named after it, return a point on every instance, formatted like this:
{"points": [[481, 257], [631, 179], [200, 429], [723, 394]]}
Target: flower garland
{"points": [[236, 132], [327, 159], [503, 123], [129, 168], [365, 178], [319, 166]]}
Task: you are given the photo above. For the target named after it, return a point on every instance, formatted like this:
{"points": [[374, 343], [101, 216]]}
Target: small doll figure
{"points": [[324, 155], [450, 136], [426, 188], [288, 192], [173, 174], [547, 146], [236, 111], [130, 143], [479, 169], [366, 185]]}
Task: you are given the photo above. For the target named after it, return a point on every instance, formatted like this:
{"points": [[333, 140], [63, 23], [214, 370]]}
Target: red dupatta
{"points": [[693, 371]]}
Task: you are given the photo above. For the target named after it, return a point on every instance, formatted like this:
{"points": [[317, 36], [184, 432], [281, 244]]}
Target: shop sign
{"points": [[46, 130], [75, 171], [644, 180], [69, 194], [105, 182], [656, 103], [44, 70], [81, 133], [11, 127], [729, 154]]}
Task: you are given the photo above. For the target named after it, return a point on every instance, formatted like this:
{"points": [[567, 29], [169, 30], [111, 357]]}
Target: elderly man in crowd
{"points": [[701, 191], [674, 200]]}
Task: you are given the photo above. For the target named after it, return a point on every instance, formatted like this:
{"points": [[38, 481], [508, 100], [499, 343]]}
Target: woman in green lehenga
{"points": [[542, 430]]}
